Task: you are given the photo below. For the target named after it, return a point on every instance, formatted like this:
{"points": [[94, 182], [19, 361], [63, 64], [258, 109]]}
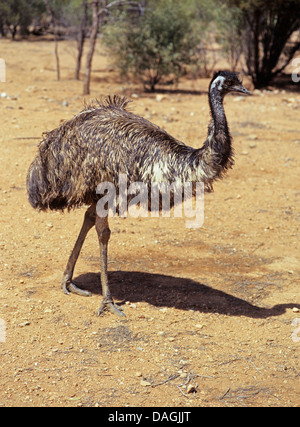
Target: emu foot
{"points": [[109, 305], [68, 287]]}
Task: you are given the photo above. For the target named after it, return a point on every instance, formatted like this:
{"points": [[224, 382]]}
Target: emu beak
{"points": [[242, 89]]}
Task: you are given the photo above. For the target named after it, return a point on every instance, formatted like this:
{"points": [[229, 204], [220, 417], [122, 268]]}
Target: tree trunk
{"points": [[13, 32], [51, 13], [81, 39], [56, 55], [268, 32], [93, 38]]}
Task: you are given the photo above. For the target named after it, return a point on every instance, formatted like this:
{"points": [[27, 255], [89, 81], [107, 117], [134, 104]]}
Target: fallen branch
{"points": [[27, 137], [172, 377], [227, 391], [250, 392]]}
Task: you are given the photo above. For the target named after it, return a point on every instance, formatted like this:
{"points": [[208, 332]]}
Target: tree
{"points": [[93, 38], [50, 10], [268, 27], [19, 13], [155, 47], [61, 13], [81, 37], [229, 23], [97, 13]]}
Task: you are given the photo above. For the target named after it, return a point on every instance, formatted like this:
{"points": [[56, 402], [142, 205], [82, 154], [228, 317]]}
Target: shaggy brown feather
{"points": [[106, 140]]}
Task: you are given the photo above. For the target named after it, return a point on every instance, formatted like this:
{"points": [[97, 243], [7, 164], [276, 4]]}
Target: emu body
{"points": [[106, 140]]}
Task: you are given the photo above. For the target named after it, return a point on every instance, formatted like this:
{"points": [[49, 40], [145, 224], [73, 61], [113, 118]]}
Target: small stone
{"points": [[160, 97], [296, 310], [138, 374], [145, 383], [199, 326], [191, 388], [252, 145], [239, 98], [27, 323]]}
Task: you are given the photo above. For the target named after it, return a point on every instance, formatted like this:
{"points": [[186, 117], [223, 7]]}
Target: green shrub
{"points": [[156, 47]]}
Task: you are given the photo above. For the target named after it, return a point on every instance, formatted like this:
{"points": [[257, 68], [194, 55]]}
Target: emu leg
{"points": [[88, 223], [107, 303]]}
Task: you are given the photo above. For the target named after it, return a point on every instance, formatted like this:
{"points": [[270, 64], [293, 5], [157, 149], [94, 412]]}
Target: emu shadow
{"points": [[184, 294]]}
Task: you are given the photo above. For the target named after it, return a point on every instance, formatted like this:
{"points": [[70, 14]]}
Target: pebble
{"points": [[160, 97], [296, 310], [31, 89], [132, 305], [145, 383], [191, 388], [239, 98], [199, 326], [27, 323]]}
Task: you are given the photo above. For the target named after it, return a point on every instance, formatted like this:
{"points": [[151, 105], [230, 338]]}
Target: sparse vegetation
{"points": [[155, 47], [157, 41], [266, 28]]}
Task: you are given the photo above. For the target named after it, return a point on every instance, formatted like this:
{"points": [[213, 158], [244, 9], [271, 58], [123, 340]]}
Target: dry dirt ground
{"points": [[212, 313]]}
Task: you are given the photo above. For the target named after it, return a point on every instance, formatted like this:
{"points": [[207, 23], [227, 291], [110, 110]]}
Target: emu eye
{"points": [[229, 83]]}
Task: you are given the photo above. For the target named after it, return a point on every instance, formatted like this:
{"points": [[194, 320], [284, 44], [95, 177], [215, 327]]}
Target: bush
{"points": [[155, 47], [268, 27]]}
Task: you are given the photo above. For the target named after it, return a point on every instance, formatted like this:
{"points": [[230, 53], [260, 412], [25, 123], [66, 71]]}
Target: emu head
{"points": [[227, 81]]}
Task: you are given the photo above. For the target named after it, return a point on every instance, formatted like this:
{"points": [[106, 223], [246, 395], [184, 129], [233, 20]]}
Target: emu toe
{"points": [[108, 305], [68, 287]]}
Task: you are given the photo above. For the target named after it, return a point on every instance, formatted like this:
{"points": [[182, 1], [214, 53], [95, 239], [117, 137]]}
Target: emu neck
{"points": [[220, 127], [218, 139]]}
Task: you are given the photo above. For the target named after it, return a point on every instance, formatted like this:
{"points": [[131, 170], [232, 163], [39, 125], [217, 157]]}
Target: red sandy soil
{"points": [[209, 311]]}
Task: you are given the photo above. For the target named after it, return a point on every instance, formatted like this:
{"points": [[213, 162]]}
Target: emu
{"points": [[106, 140]]}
